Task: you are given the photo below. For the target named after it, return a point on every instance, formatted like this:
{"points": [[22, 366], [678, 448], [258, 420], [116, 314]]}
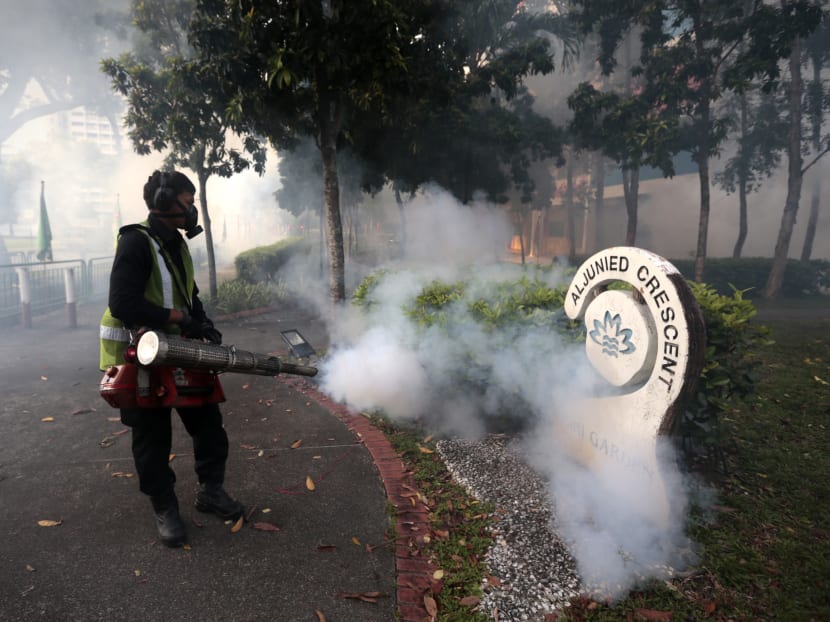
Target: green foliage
{"points": [[802, 278], [433, 304], [238, 295], [363, 294], [506, 309], [730, 372], [527, 301], [264, 262]]}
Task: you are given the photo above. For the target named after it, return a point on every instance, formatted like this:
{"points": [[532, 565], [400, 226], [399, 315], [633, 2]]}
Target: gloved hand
{"points": [[210, 333], [190, 327]]}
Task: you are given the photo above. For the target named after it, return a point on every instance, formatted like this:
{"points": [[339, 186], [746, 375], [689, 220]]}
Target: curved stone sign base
{"points": [[647, 342]]}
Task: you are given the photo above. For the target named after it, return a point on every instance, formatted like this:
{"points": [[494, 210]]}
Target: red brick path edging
{"points": [[414, 571]]}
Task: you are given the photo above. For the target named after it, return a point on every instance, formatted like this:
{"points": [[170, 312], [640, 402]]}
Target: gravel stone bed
{"points": [[537, 574]]}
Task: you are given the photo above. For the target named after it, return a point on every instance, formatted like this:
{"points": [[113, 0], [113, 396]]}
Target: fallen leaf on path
{"points": [[81, 411], [121, 474], [113, 418], [325, 548], [469, 601], [30, 568], [438, 574], [266, 527], [819, 380], [238, 524], [425, 450], [248, 446], [186, 547], [250, 513], [48, 419], [296, 443], [246, 386], [44, 378], [355, 540], [320, 616], [120, 432], [49, 523], [431, 606], [367, 597], [309, 483]]}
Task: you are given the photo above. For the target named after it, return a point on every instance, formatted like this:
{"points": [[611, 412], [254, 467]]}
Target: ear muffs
{"points": [[165, 195]]}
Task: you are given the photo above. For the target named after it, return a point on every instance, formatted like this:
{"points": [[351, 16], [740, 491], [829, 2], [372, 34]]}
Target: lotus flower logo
{"points": [[613, 339]]}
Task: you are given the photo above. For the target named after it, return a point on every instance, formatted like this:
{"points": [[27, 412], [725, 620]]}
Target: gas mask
{"points": [[191, 220]]}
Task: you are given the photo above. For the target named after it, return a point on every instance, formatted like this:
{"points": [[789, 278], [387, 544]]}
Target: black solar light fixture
{"points": [[298, 344]]}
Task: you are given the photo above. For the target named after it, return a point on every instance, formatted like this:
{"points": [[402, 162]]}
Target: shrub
{"points": [[730, 369], [507, 308], [238, 295], [263, 263]]}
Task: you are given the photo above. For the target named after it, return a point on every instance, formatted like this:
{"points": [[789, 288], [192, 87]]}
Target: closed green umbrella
{"points": [[44, 231]]}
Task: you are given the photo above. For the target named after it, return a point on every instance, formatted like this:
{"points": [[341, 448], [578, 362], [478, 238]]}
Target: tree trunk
{"points": [[402, 215], [703, 224], [569, 207], [812, 222], [703, 177], [742, 175], [322, 238], [815, 202], [331, 192], [599, 197], [631, 191], [203, 176], [794, 178]]}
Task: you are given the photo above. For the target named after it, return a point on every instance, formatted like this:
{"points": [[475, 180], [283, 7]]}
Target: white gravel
{"points": [[536, 572]]}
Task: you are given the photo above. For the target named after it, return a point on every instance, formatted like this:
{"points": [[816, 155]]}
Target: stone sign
{"points": [[647, 344]]}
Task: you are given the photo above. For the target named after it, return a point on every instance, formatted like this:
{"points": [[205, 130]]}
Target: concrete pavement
{"points": [[65, 457]]}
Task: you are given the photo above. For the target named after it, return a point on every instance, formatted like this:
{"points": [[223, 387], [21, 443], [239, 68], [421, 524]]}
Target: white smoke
{"points": [[382, 362]]}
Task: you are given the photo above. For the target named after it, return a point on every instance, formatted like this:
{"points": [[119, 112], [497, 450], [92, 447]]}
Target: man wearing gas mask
{"points": [[152, 285]]}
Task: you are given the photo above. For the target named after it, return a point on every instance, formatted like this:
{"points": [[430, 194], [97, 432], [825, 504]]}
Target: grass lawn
{"points": [[764, 540], [765, 545]]}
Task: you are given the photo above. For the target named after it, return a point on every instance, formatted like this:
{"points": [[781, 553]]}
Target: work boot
{"points": [[213, 498], [169, 522]]}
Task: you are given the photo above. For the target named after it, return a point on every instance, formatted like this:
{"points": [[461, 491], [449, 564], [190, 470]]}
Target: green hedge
{"points": [[264, 262], [505, 309], [238, 295], [750, 274]]}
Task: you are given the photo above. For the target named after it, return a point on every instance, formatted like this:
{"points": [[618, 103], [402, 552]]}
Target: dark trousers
{"points": [[152, 441]]}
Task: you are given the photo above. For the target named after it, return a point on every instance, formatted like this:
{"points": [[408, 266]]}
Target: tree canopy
{"points": [[415, 86]]}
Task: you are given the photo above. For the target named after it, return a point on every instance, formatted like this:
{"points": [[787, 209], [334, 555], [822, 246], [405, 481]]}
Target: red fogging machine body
{"points": [[174, 372]]}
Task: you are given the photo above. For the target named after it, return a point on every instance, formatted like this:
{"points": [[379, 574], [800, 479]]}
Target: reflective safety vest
{"points": [[166, 288]]}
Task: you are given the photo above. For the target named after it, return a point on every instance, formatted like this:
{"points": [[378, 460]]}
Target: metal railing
{"points": [[46, 286]]}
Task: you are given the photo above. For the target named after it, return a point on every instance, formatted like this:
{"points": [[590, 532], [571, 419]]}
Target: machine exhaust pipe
{"points": [[159, 349]]}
